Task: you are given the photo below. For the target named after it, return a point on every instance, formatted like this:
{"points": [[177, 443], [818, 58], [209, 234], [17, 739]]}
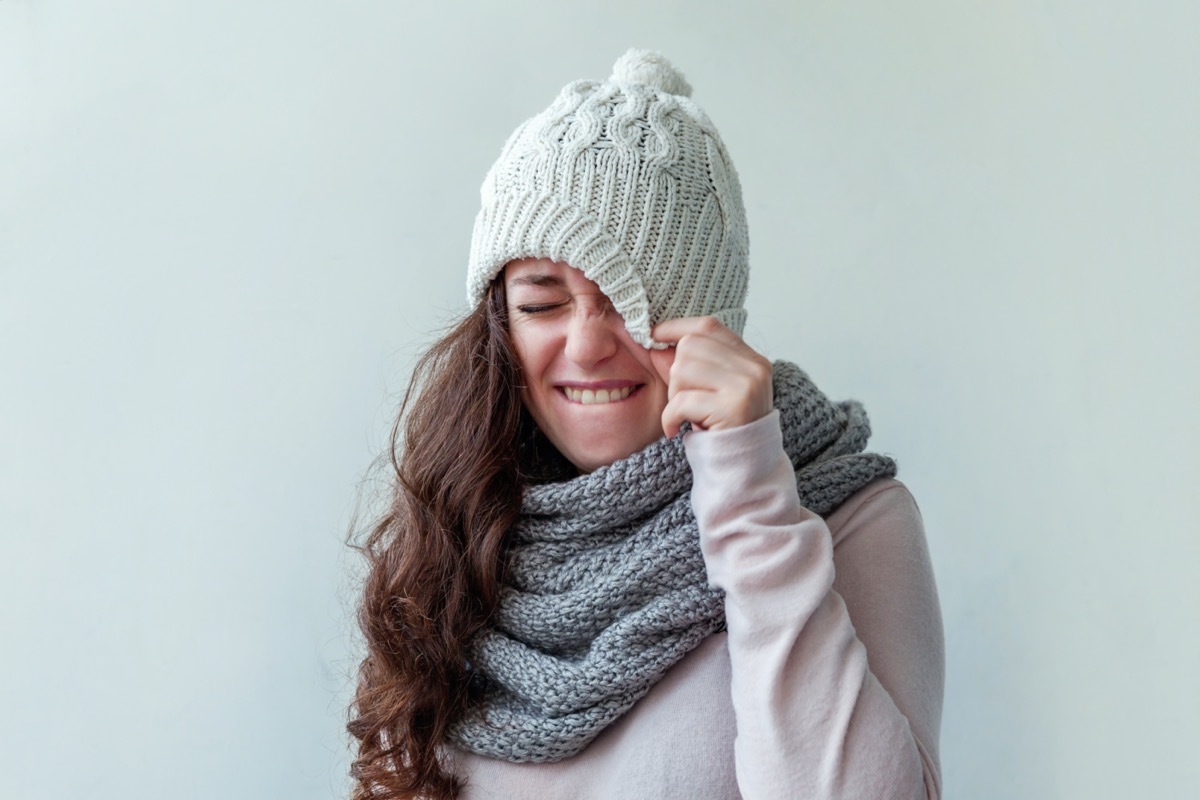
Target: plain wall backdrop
{"points": [[227, 229]]}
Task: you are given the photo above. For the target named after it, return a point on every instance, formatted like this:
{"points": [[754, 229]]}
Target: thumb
{"points": [[662, 361]]}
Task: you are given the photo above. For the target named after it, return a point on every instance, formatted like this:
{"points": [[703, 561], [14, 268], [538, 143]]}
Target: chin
{"points": [[590, 459]]}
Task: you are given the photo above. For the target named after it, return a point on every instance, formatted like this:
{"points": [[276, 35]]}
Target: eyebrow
{"points": [[538, 279]]}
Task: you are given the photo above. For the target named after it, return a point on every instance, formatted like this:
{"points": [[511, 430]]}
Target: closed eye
{"points": [[535, 309]]}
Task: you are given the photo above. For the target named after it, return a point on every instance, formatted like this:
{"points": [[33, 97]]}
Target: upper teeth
{"points": [[588, 396]]}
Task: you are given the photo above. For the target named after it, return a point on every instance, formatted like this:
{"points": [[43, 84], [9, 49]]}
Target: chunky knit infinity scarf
{"points": [[607, 588]]}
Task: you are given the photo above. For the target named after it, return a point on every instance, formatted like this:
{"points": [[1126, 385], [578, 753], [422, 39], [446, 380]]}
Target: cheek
{"points": [[655, 393], [535, 356], [525, 348], [656, 387], [660, 401]]}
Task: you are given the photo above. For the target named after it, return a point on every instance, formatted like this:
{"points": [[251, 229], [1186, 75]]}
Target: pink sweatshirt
{"points": [[828, 681]]}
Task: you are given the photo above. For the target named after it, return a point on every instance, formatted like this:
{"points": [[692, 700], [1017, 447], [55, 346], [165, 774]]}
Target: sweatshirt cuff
{"points": [[745, 446], [736, 469]]}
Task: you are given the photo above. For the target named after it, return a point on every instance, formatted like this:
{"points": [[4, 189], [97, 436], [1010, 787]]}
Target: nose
{"points": [[591, 338]]}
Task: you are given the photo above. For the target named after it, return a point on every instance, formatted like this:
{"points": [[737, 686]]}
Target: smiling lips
{"points": [[597, 396]]}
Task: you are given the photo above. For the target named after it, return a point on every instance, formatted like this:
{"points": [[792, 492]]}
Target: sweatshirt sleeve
{"points": [[822, 710]]}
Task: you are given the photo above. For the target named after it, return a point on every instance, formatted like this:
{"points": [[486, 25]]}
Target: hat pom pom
{"points": [[652, 69]]}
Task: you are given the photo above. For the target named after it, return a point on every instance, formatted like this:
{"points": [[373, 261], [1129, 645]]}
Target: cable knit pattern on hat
{"points": [[607, 587], [628, 181]]}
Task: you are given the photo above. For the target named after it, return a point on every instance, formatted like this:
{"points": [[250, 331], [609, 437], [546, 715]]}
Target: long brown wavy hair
{"points": [[435, 557]]}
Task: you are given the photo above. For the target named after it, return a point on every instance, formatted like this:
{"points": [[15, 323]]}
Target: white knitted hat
{"points": [[628, 181]]}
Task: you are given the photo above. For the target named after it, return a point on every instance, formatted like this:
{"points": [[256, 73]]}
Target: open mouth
{"points": [[598, 396]]}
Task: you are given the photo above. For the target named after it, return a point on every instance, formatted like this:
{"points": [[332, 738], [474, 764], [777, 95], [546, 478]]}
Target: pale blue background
{"points": [[226, 228]]}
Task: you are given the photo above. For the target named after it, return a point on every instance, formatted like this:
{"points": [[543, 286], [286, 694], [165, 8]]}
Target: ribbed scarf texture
{"points": [[607, 588]]}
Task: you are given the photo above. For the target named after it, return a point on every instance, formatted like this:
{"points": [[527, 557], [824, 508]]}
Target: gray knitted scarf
{"points": [[607, 589]]}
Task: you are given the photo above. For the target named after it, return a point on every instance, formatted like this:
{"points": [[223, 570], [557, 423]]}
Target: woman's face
{"points": [[589, 386]]}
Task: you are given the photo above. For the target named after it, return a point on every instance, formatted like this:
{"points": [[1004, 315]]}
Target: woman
{"points": [[628, 556]]}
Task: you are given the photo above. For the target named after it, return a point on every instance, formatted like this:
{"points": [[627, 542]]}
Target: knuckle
{"points": [[762, 369]]}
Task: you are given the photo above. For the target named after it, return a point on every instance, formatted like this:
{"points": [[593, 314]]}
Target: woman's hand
{"points": [[714, 379]]}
